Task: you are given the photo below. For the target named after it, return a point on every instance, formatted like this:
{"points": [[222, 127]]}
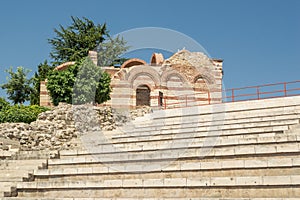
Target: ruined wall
{"points": [[184, 79]]}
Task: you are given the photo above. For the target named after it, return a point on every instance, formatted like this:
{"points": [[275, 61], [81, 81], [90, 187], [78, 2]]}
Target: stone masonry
{"points": [[184, 78]]}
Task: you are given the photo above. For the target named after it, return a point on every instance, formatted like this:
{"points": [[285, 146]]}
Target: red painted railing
{"points": [[266, 91]]}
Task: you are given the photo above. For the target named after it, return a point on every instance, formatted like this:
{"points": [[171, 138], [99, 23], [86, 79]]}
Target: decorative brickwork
{"points": [[185, 75]]}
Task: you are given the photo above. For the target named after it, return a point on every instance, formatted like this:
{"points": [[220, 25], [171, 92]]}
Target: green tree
{"points": [[109, 52], [103, 90], [43, 70], [73, 42], [81, 83], [3, 104], [18, 87], [91, 85], [60, 84]]}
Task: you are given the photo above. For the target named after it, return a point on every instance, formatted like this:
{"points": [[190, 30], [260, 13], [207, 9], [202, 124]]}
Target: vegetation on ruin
{"points": [[81, 83], [21, 113]]}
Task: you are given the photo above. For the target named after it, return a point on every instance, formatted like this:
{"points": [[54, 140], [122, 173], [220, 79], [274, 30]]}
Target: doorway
{"points": [[143, 95]]}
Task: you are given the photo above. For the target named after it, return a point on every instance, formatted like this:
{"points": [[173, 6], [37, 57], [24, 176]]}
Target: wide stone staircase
{"points": [[18, 166], [242, 150]]}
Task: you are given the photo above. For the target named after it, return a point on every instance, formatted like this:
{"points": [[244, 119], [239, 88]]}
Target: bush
{"points": [[3, 104], [16, 113]]}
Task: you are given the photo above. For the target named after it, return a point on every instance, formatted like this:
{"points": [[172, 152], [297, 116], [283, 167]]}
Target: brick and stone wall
{"points": [[186, 78]]}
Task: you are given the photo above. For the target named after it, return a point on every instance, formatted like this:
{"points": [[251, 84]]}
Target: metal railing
{"points": [[266, 91]]}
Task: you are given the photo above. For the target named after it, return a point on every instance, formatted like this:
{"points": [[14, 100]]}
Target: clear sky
{"points": [[259, 40]]}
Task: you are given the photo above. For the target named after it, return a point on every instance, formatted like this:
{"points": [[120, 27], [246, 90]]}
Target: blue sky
{"points": [[259, 40]]}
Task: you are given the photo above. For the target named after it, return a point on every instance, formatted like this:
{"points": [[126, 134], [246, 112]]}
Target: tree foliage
{"points": [[43, 70], [91, 85], [81, 83], [18, 87], [3, 104], [109, 52], [60, 84], [73, 42]]}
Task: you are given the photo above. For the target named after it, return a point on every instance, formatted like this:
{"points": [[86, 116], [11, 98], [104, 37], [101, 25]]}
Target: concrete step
{"points": [[74, 188], [234, 107], [35, 155], [96, 138], [104, 144], [168, 182], [200, 141], [195, 128], [200, 165], [114, 174], [188, 153], [146, 198], [179, 144], [21, 164], [172, 193], [211, 120]]}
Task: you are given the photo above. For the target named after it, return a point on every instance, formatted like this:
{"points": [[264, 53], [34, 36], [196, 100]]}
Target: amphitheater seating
{"points": [[242, 150]]}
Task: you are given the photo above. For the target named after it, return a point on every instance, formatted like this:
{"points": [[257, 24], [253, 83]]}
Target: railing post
{"points": [[208, 96], [285, 93], [257, 91], [232, 95], [165, 103]]}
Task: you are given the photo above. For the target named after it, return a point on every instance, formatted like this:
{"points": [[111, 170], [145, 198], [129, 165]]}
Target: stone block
{"points": [[196, 182], [280, 162], [190, 166], [222, 181], [231, 164], [133, 183], [257, 163], [276, 180], [153, 182], [248, 181], [174, 182]]}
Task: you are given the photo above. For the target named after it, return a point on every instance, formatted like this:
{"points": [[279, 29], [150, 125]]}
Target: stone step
{"points": [[212, 120], [106, 144], [227, 118], [268, 184], [233, 107], [35, 155], [6, 187], [22, 164], [200, 141], [203, 167], [282, 113], [180, 143], [196, 128], [188, 153], [173, 193], [96, 138], [207, 182], [146, 198], [116, 175]]}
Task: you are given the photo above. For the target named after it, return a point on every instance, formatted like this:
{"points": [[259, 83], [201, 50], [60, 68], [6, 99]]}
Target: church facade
{"points": [[184, 79]]}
